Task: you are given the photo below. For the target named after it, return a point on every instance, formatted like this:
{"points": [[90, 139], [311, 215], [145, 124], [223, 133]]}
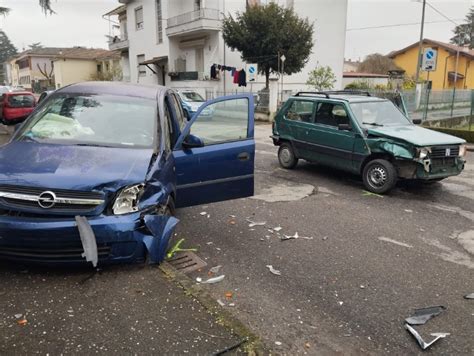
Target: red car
{"points": [[16, 106]]}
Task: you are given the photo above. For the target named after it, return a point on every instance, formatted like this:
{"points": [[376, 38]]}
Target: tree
{"points": [[261, 33], [44, 4], [321, 78], [377, 63], [7, 50], [464, 33], [35, 45]]}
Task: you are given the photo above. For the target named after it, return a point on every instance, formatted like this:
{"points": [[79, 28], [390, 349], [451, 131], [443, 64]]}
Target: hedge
{"points": [[464, 134]]}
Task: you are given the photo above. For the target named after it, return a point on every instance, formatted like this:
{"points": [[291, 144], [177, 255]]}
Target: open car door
{"points": [[215, 153]]}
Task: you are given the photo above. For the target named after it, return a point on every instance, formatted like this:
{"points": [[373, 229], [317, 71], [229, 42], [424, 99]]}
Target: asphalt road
{"points": [[370, 261], [365, 264]]}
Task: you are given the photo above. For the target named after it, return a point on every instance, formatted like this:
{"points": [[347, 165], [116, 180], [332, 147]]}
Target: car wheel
{"points": [[379, 176], [286, 156]]}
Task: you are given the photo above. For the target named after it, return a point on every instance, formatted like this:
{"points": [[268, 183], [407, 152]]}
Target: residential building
{"points": [[52, 67], [175, 42], [79, 64], [371, 79], [444, 76]]}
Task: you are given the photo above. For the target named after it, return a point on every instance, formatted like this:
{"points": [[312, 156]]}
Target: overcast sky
{"points": [[83, 24]]}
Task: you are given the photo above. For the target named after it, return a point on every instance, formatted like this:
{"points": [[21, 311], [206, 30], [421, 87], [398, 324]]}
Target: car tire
{"points": [[286, 156], [379, 176]]}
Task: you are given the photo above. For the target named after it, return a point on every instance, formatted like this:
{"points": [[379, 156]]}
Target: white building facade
{"points": [[175, 42]]}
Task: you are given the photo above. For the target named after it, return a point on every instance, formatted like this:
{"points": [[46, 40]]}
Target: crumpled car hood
{"points": [[416, 135], [72, 167]]}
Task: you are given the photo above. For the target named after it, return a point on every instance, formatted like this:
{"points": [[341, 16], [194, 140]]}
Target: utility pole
{"points": [[420, 45]]}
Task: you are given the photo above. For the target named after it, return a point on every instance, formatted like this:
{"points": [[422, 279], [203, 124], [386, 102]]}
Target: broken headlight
{"points": [[462, 150], [127, 200], [422, 153]]}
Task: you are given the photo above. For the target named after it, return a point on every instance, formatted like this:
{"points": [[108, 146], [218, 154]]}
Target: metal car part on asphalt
{"points": [[423, 344], [422, 315]]}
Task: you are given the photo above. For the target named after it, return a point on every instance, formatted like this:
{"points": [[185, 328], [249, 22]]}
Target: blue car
{"points": [[97, 170]]}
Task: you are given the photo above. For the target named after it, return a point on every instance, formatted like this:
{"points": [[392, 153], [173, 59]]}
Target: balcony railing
{"points": [[118, 43], [209, 14]]}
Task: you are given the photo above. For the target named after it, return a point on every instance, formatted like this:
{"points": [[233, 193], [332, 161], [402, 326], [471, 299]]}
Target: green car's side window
{"points": [[331, 114], [301, 110]]}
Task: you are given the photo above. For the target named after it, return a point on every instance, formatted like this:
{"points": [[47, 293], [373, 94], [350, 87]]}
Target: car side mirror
{"points": [[416, 121], [344, 127], [192, 141]]}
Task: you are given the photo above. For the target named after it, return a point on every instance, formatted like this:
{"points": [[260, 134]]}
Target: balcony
{"points": [[118, 44], [202, 20]]}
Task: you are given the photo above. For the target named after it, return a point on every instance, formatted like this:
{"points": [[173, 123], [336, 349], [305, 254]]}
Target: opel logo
{"points": [[47, 199]]}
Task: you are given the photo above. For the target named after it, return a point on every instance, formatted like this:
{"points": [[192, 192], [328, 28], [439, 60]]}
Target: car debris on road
{"points": [[422, 315], [273, 270], [210, 280], [424, 345]]}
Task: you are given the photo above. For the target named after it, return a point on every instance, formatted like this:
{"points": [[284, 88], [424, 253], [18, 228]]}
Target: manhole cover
{"points": [[187, 262]]}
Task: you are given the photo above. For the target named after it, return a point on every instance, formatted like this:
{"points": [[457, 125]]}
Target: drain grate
{"points": [[187, 262]]}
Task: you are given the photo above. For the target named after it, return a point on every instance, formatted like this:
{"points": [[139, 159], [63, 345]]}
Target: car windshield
{"points": [[96, 120], [378, 113], [192, 96], [21, 101]]}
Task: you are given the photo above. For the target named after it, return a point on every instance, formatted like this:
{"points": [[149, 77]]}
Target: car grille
{"points": [[68, 201], [54, 253], [443, 162], [444, 151]]}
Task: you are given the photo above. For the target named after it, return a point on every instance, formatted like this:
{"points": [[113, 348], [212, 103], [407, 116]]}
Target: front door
{"points": [[333, 146], [214, 155]]}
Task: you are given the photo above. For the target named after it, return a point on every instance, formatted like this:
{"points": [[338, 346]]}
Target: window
{"points": [[224, 121], [139, 18], [159, 22], [197, 5], [301, 110], [21, 101], [96, 120], [141, 68], [99, 68], [331, 114]]}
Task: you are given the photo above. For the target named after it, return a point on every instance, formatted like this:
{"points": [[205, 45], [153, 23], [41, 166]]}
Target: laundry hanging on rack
{"points": [[213, 72], [242, 78]]}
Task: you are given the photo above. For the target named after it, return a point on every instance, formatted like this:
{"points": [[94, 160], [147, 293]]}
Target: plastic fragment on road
{"points": [[89, 243], [278, 228], [273, 270], [278, 343], [255, 223], [215, 269], [423, 344], [366, 193], [177, 248], [469, 296], [210, 280], [18, 316], [294, 237], [22, 321], [203, 213], [221, 303], [228, 295], [422, 315]]}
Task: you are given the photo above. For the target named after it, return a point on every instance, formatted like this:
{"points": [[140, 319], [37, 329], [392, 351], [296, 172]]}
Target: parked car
{"points": [[99, 168], [191, 101], [364, 135], [16, 106], [5, 89]]}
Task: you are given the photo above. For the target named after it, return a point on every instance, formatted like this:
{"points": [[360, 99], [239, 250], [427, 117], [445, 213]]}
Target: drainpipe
{"points": [[468, 64], [445, 70]]}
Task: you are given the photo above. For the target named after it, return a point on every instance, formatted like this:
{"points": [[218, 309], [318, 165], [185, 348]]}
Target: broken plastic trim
{"points": [[422, 315], [89, 243], [162, 227], [424, 345]]}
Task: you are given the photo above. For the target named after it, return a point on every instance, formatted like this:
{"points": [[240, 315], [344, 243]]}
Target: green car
{"points": [[365, 135]]}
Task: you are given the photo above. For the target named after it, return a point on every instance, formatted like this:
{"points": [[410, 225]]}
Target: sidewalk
{"points": [[120, 310]]}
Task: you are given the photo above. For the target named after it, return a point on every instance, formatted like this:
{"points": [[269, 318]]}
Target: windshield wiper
{"points": [[372, 124], [29, 138]]}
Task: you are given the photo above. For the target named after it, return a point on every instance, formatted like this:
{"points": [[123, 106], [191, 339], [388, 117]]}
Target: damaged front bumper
{"points": [[118, 239], [430, 169]]}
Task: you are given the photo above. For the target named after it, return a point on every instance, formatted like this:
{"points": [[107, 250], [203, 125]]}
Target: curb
{"points": [[252, 346]]}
